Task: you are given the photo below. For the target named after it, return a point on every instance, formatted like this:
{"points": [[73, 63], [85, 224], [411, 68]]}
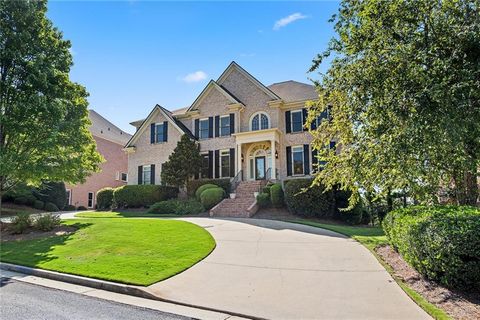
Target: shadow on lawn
{"points": [[33, 252]]}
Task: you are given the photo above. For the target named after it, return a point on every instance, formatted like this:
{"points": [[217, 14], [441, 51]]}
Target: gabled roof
{"points": [[103, 128], [213, 85], [291, 91], [235, 66], [168, 115]]}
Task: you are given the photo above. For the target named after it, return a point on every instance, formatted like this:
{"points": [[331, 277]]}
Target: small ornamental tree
{"points": [[182, 164]]}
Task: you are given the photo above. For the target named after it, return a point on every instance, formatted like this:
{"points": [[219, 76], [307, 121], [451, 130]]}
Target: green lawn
{"points": [[121, 214], [133, 251]]}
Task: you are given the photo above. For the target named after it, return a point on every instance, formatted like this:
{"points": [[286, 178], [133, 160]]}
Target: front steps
{"points": [[243, 206]]}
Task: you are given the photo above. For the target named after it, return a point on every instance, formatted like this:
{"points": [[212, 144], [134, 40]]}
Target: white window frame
{"points": [[293, 163], [259, 114], [69, 196], [223, 153], [88, 199], [301, 120], [149, 174], [126, 176], [200, 129], [157, 125], [220, 126]]}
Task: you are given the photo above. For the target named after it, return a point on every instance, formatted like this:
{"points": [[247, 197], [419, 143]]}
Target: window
{"points": [[124, 177], [205, 165], [224, 126], [69, 196], [159, 137], [297, 160], [203, 131], [90, 200], [259, 122], [297, 121], [146, 175], [225, 163]]}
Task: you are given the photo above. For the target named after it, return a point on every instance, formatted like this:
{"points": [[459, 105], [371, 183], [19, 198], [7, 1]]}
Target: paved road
{"points": [[22, 301], [279, 270]]}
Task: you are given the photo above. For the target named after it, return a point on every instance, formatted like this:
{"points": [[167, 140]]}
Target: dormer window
{"points": [[260, 121]]}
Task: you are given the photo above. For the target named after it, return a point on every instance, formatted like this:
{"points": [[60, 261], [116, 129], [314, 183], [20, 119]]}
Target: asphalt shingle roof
{"points": [[291, 91]]}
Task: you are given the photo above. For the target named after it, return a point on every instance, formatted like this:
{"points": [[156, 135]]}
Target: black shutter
{"points": [[217, 126], [232, 123], [288, 122], [313, 125], [217, 163], [232, 162], [140, 171], [210, 127], [332, 145], [304, 114], [306, 159], [289, 161], [152, 133], [314, 160], [165, 131], [152, 174], [197, 126], [210, 164]]}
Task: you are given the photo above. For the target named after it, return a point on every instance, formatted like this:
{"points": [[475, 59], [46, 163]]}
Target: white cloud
{"points": [[287, 20], [195, 77]]}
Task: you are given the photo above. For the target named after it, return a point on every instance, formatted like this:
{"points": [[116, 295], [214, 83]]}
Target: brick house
{"points": [[113, 172], [245, 130]]}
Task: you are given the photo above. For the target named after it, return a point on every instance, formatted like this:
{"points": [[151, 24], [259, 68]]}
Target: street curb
{"points": [[141, 292]]}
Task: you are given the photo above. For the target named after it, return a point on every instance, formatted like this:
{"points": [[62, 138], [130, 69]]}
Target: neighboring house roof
{"points": [[291, 91], [146, 122], [104, 129], [210, 86]]}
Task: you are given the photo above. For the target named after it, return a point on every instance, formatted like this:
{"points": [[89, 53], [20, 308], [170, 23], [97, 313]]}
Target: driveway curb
{"points": [[137, 291]]}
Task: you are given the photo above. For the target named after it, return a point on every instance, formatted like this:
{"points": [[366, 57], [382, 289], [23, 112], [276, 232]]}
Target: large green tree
{"points": [[43, 114], [184, 162], [403, 89]]}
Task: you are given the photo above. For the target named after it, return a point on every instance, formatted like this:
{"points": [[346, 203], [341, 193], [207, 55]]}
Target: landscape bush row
{"points": [[271, 196], [134, 196], [442, 243], [22, 222]]}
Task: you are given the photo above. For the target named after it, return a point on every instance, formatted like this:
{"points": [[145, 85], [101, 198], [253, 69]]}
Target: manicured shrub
{"points": [[211, 197], [81, 208], [53, 192], [51, 207], [193, 185], [20, 223], [20, 190], [69, 207], [263, 200], [266, 189], [104, 198], [203, 188], [47, 222], [276, 195], [135, 196], [177, 207], [20, 200], [308, 201], [442, 243], [38, 204]]}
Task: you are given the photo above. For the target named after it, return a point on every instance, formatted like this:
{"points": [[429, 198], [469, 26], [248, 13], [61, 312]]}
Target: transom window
{"points": [[159, 137], [203, 130], [225, 126], [297, 121], [297, 160], [225, 163], [260, 122], [146, 175]]}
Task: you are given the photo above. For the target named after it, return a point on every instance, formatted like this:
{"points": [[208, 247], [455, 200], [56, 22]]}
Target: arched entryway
{"points": [[259, 161]]}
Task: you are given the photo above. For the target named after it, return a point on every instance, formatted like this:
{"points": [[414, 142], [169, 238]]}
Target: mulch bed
{"points": [[36, 234], [459, 305]]}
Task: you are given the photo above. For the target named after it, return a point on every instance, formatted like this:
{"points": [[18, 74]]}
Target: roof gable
{"points": [[212, 85]]}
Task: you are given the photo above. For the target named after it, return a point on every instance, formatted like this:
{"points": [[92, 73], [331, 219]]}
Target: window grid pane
{"points": [[297, 123], [159, 132], [146, 175], [264, 121], [204, 129], [225, 163], [255, 124], [297, 155], [205, 165], [225, 126]]}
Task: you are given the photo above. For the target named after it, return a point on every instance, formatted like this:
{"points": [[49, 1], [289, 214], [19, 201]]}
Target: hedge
{"points": [[51, 207], [211, 197], [263, 200], [202, 188], [309, 202], [134, 196], [38, 204], [177, 207], [105, 198], [276, 195], [193, 185], [442, 243]]}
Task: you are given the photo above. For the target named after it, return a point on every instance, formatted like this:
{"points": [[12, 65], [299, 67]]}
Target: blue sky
{"points": [[132, 55]]}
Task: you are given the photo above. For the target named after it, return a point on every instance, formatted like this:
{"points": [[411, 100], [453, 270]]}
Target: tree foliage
{"points": [[43, 114], [182, 164], [403, 91]]}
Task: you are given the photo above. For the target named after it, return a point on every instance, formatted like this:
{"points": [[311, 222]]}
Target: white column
{"points": [[274, 171]]}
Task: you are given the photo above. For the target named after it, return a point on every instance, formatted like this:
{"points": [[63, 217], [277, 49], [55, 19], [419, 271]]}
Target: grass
{"points": [[121, 214], [132, 251], [371, 237]]}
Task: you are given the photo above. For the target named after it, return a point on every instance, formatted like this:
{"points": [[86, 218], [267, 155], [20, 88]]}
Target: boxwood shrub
{"points": [[309, 202], [276, 195], [193, 185], [38, 204], [263, 200], [211, 197], [442, 243], [51, 207], [177, 207], [135, 196], [104, 198], [202, 188]]}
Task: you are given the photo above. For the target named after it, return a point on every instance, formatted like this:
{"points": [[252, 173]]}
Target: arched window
{"points": [[259, 121]]}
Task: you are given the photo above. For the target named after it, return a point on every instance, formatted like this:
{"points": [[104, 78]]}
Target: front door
{"points": [[259, 168]]}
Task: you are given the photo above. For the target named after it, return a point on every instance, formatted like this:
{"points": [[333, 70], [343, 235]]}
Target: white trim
{"points": [[69, 198], [303, 162], [259, 121], [291, 120], [220, 126], [126, 176], [199, 128]]}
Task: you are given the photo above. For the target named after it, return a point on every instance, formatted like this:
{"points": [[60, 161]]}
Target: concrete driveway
{"points": [[278, 270]]}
